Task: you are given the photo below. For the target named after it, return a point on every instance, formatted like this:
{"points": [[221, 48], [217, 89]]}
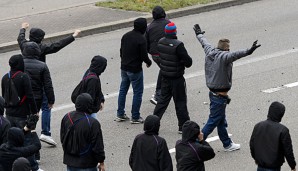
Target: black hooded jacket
{"points": [[88, 131], [14, 148], [271, 142], [21, 164], [37, 35], [149, 151], [190, 155], [133, 51], [23, 86], [38, 72], [155, 30], [4, 123]]}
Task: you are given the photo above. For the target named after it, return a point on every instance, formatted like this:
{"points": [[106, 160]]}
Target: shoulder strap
{"points": [[14, 75], [89, 76], [196, 152], [69, 118]]}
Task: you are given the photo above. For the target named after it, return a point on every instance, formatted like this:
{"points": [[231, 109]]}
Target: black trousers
{"points": [[175, 88]]}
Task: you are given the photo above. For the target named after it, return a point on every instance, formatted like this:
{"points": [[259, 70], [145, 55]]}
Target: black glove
{"points": [[31, 121], [197, 29], [253, 47]]}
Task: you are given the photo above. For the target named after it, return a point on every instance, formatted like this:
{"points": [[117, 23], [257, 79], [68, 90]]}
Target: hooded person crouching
{"points": [[150, 151]]}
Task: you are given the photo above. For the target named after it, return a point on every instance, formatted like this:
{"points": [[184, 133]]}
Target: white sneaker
{"points": [[47, 139], [232, 147], [153, 101], [40, 169]]}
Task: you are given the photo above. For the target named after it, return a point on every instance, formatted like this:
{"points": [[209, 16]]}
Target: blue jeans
{"points": [[136, 80], [217, 118], [69, 168], [94, 115], [45, 116], [264, 169]]}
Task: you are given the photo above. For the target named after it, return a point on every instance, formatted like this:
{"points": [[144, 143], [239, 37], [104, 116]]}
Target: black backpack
{"points": [[80, 88], [11, 95]]}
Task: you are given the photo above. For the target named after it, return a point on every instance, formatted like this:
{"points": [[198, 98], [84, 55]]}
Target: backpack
{"points": [[11, 95], [70, 142], [80, 88]]}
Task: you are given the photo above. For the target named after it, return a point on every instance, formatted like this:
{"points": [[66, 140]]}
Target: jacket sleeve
{"points": [[251, 144], [288, 148], [92, 88], [183, 55], [33, 148], [56, 46], [97, 141], [233, 56], [62, 130], [131, 156], [48, 85], [144, 54], [147, 39], [205, 44], [4, 132], [164, 157], [2, 86], [29, 94], [206, 152], [101, 96], [22, 38]]}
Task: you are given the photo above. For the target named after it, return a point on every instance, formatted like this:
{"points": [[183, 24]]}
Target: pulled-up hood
{"points": [[16, 63], [276, 112], [151, 125], [15, 137], [158, 12], [190, 131], [36, 35], [98, 65], [84, 103]]}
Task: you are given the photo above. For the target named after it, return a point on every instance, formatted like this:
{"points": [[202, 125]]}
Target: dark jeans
{"points": [[16, 121], [136, 80], [69, 168], [157, 95], [217, 118], [265, 169], [45, 116], [175, 88]]}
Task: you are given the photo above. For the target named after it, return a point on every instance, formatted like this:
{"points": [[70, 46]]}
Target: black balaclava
{"points": [[158, 12], [15, 137], [84, 103], [2, 102], [140, 25], [21, 164], [36, 35], [16, 63], [276, 111], [31, 49], [190, 131], [151, 125], [98, 65]]}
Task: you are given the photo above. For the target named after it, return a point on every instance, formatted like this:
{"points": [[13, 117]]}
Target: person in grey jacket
{"points": [[218, 74]]}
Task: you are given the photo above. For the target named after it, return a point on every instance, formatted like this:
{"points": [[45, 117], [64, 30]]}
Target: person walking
{"points": [[271, 142], [133, 53], [149, 151], [192, 150], [4, 123], [37, 35], [173, 60], [218, 74], [81, 138], [155, 31]]}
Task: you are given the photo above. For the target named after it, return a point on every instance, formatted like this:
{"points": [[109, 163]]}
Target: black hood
{"points": [[31, 49], [2, 102], [21, 164], [276, 111], [84, 103], [98, 65], [15, 137], [151, 125], [190, 131], [16, 63], [36, 35], [140, 25], [158, 12]]}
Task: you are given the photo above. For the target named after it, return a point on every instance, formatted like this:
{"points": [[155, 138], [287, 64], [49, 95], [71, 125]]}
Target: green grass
{"points": [[148, 5]]}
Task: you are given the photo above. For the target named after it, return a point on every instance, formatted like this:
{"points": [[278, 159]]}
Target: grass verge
{"points": [[148, 5]]}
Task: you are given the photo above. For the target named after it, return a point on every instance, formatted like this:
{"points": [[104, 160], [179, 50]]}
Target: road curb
{"points": [[111, 26]]}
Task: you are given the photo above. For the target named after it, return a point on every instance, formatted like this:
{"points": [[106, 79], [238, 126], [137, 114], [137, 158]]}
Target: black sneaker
{"points": [[122, 118], [137, 121]]}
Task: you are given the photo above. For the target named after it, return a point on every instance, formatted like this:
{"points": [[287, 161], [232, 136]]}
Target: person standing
{"points": [[133, 53], [150, 151], [218, 74], [155, 31], [173, 60], [4, 123], [192, 150], [271, 142], [37, 36]]}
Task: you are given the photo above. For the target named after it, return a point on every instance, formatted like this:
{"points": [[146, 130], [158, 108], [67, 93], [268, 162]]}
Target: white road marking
{"points": [[241, 62], [173, 150], [275, 89]]}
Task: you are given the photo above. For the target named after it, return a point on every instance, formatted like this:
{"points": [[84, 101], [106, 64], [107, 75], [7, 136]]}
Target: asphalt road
{"points": [[272, 22]]}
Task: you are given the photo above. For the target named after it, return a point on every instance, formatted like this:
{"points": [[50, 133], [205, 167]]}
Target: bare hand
{"points": [[101, 167], [76, 33], [294, 169], [101, 106], [25, 25], [50, 106], [201, 136]]}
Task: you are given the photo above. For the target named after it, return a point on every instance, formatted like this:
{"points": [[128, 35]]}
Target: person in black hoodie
{"points": [[133, 53], [271, 142], [192, 151], [155, 31], [4, 123], [17, 115], [37, 36], [21, 164], [88, 137], [149, 151]]}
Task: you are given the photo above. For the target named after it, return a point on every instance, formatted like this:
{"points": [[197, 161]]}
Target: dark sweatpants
{"points": [[175, 88]]}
